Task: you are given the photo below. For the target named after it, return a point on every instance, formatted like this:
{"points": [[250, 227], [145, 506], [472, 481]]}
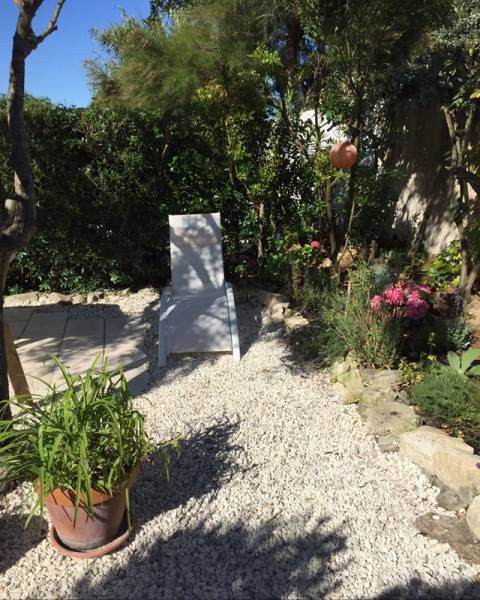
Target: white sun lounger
{"points": [[197, 314]]}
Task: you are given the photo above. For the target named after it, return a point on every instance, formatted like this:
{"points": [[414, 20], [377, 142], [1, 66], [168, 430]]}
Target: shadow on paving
{"points": [[78, 334], [18, 541]]}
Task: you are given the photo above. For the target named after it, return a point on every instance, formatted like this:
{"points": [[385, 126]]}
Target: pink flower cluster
{"points": [[315, 244], [408, 300]]}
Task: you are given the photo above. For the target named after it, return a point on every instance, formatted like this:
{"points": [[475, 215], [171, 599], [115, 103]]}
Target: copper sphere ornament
{"points": [[343, 155]]}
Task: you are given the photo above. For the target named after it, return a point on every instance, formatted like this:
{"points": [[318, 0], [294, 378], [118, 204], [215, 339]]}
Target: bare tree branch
{"points": [[52, 25]]}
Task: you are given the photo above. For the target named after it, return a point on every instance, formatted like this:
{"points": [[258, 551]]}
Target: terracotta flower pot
{"points": [[88, 532]]}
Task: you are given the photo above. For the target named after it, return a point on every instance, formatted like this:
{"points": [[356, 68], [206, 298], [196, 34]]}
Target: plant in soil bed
{"points": [[80, 446]]}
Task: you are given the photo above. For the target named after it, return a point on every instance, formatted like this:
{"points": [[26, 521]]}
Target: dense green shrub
{"points": [[449, 396], [446, 267], [106, 181]]}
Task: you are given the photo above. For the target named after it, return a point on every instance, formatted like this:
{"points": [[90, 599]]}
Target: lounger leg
{"points": [[162, 331], [233, 322]]}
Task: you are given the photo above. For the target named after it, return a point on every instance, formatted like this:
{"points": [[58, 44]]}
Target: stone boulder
{"points": [[57, 298], [421, 445], [296, 322], [451, 530], [451, 501], [79, 299], [340, 367], [353, 384], [388, 443], [385, 417], [473, 517], [459, 470], [25, 299], [270, 299], [381, 380]]}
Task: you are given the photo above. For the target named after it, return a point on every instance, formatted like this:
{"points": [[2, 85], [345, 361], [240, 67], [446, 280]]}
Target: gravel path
{"points": [[279, 493]]}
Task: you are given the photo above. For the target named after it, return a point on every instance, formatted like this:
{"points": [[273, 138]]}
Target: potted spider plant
{"points": [[81, 447]]}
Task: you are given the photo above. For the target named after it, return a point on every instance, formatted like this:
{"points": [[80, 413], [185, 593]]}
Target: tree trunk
{"points": [[17, 220], [16, 228], [460, 142], [472, 277], [331, 219], [350, 205]]}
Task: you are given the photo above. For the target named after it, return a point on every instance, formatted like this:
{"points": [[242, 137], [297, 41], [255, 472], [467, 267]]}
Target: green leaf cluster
{"points": [[445, 269], [449, 396], [83, 435], [463, 363]]}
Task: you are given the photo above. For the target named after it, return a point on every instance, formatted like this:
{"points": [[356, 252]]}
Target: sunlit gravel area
{"points": [[278, 493]]}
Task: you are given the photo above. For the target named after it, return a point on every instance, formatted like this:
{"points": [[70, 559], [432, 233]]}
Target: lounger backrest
{"points": [[196, 253]]}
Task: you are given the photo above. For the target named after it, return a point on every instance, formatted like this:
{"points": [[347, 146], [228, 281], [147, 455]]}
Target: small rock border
{"points": [[448, 461]]}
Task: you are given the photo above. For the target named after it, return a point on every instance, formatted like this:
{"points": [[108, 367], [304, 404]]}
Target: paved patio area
{"points": [[77, 341]]}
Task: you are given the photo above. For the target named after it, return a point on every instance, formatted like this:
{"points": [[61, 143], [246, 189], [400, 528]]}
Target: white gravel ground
{"points": [[279, 493]]}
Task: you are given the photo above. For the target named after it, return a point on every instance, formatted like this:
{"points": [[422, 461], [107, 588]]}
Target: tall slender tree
{"points": [[17, 219]]}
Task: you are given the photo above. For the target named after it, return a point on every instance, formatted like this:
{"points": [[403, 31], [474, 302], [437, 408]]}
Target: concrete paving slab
{"points": [[85, 328], [41, 337], [18, 313], [78, 342], [46, 325], [82, 344], [17, 328]]}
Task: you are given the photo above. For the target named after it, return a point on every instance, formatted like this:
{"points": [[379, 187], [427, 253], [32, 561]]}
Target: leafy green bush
{"points": [[106, 181], [463, 363], [451, 334], [445, 269], [449, 396]]}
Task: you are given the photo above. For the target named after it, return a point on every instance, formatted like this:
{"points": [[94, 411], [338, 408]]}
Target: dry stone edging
{"points": [[373, 390], [449, 461]]}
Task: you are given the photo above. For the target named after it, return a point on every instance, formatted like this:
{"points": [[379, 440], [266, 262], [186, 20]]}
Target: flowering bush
{"points": [[306, 255], [406, 300]]}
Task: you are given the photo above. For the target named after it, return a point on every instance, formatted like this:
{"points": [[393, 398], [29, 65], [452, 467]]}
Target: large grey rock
{"points": [[381, 379], [370, 396], [353, 383], [57, 298], [388, 443], [79, 299], [450, 500], [388, 418], [339, 367], [473, 517], [458, 470], [420, 446]]}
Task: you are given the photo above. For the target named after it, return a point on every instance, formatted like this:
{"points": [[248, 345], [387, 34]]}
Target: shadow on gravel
{"points": [[15, 540], [206, 460], [205, 563], [416, 589]]}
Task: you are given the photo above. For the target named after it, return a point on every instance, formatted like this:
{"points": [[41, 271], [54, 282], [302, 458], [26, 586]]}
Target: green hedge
{"points": [[105, 182]]}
